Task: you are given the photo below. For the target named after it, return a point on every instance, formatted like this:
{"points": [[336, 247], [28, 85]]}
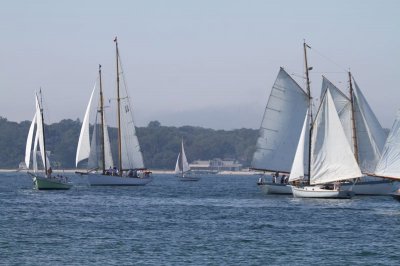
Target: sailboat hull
{"points": [[377, 187], [189, 178], [44, 183], [318, 192], [276, 188], [109, 180]]}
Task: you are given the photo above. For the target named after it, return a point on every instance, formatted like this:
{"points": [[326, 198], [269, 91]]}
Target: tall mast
{"points": [[353, 121], [119, 111], [103, 163], [305, 46], [44, 138]]}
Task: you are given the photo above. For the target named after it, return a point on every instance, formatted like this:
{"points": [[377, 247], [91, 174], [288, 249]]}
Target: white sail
{"points": [[94, 160], [29, 142], [83, 149], [343, 108], [130, 153], [35, 153], [185, 164], [177, 170], [39, 131], [297, 171], [281, 125], [108, 159], [370, 135], [331, 156], [389, 164]]}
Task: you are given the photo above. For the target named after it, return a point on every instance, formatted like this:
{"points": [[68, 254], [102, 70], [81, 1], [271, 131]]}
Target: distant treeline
{"points": [[160, 144]]}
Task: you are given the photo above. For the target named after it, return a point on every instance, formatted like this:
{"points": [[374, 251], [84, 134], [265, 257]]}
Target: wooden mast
{"points": [[353, 121], [119, 112], [103, 163], [44, 138], [305, 46]]}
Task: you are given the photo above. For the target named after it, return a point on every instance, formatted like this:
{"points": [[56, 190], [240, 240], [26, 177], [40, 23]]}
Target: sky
{"points": [[209, 63]]}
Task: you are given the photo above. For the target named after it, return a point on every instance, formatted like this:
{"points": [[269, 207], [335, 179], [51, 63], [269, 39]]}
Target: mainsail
{"points": [[331, 156], [370, 135], [389, 163], [281, 125], [185, 164]]}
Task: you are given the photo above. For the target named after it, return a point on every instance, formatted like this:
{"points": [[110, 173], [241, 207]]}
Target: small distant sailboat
{"points": [[42, 180], [131, 170], [182, 168]]}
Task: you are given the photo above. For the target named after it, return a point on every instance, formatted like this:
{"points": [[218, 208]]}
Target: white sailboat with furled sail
{"points": [[130, 170], [182, 168], [331, 159], [279, 132], [388, 166], [45, 180], [365, 135]]}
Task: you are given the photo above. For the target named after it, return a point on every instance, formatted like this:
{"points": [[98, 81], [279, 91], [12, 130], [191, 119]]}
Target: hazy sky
{"points": [[206, 63]]}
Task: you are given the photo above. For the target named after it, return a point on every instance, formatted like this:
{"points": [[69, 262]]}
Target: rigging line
{"points": [[328, 59]]}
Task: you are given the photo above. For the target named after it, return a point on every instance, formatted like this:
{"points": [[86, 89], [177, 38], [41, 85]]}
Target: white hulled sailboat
{"points": [[279, 132], [42, 180], [182, 168], [130, 171], [365, 135], [331, 159]]}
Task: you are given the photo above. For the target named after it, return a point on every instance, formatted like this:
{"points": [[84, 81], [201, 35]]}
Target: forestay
{"points": [[389, 164], [331, 156], [281, 125]]}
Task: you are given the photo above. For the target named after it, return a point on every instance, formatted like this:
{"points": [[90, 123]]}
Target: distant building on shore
{"points": [[216, 165]]}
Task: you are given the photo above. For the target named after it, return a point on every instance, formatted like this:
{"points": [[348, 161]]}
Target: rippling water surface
{"points": [[220, 220]]}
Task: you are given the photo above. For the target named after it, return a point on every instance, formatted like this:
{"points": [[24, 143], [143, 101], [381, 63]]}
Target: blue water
{"points": [[224, 220]]}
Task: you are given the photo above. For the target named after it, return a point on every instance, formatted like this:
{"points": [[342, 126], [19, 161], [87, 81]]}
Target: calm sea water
{"points": [[224, 220]]}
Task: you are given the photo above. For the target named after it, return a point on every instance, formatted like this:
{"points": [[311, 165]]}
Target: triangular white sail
{"points": [[130, 148], [83, 149], [29, 142], [39, 131], [108, 159], [370, 135], [331, 156], [281, 125], [177, 170], [389, 164], [297, 171], [185, 164], [35, 153], [94, 152], [343, 108]]}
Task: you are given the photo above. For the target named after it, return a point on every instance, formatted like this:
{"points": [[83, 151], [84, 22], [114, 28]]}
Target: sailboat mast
{"points": [[119, 111], [305, 46], [44, 138], [103, 163], [353, 121]]}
